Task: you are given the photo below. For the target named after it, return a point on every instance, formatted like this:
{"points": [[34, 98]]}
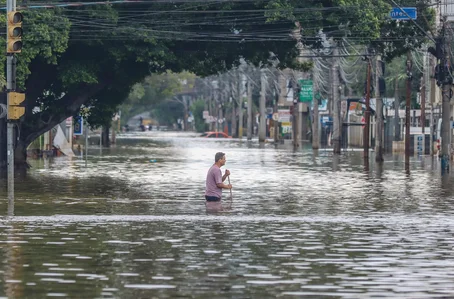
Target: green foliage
{"points": [[361, 21], [154, 89], [197, 109], [397, 38], [337, 18], [94, 55], [167, 112]]}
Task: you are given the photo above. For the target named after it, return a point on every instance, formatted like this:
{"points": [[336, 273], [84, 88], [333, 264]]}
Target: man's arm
{"points": [[224, 186], [221, 184]]}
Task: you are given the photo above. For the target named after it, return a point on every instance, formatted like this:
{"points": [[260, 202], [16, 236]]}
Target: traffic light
{"points": [[14, 44], [14, 100]]}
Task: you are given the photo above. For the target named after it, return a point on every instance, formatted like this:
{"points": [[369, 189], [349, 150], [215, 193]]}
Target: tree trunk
{"points": [[337, 122], [262, 120], [240, 106], [396, 111], [20, 157], [249, 110], [105, 136], [114, 135], [233, 119], [213, 111], [184, 101], [34, 125], [378, 114], [315, 122], [275, 122]]}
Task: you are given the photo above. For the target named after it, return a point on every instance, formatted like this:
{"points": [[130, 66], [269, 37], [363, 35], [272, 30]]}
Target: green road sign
{"points": [[306, 93]]}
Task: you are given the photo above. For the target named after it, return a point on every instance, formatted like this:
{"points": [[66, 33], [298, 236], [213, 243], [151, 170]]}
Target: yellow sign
{"points": [[15, 112], [15, 99]]}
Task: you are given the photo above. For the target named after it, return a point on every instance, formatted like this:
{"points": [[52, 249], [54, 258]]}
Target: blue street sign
{"points": [[78, 125], [397, 13]]}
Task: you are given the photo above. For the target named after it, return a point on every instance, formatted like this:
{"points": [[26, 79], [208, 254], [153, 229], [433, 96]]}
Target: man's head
{"points": [[219, 157]]}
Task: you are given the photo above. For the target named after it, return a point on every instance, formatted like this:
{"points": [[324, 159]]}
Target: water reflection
{"points": [[134, 223]]}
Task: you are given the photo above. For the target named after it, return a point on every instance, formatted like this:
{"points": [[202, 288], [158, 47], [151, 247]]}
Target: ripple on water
{"points": [[149, 286], [301, 225]]}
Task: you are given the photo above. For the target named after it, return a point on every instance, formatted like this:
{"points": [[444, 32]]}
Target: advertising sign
{"points": [[306, 93]]}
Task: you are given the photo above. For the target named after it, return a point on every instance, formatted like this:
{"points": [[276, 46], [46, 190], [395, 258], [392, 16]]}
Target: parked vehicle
{"points": [[215, 135]]}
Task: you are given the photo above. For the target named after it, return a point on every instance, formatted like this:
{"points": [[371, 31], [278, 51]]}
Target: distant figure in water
{"points": [[214, 182]]}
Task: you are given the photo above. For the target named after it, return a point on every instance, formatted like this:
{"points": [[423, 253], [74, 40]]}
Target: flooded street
{"points": [[132, 223]]}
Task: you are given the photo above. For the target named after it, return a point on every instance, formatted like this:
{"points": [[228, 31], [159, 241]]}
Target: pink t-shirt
{"points": [[214, 176]]}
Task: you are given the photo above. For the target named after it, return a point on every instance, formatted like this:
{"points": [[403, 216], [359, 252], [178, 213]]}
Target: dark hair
{"points": [[218, 156]]}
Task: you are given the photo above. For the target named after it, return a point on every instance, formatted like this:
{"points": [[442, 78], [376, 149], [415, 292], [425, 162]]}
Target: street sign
{"points": [[306, 93], [284, 115], [408, 13], [78, 125], [325, 119]]}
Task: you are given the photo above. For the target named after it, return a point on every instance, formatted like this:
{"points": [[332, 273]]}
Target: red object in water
{"points": [[215, 135]]}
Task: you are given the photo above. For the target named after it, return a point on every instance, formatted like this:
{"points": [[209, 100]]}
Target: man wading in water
{"points": [[215, 179]]}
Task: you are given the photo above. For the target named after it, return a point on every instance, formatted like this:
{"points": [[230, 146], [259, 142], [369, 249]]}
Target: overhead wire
{"points": [[282, 35]]}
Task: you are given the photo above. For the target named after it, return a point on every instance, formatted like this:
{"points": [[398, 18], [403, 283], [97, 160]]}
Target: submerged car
{"points": [[215, 135]]}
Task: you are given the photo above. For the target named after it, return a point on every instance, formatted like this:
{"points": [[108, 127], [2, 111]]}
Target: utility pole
{"points": [[221, 113], [249, 109], [277, 94], [428, 80], [367, 113], [316, 117], [445, 77], [379, 111], [396, 110], [438, 62], [240, 104], [262, 123], [211, 104], [337, 123], [13, 45], [295, 116], [232, 97], [423, 103], [275, 122], [407, 111]]}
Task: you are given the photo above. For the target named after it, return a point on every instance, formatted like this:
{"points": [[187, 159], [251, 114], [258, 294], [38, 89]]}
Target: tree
{"points": [[197, 109], [155, 89], [93, 55]]}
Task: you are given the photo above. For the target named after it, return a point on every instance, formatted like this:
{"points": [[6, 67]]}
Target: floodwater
{"points": [[132, 223]]}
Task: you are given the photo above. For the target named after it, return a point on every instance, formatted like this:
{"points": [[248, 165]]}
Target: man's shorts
{"points": [[212, 198]]}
